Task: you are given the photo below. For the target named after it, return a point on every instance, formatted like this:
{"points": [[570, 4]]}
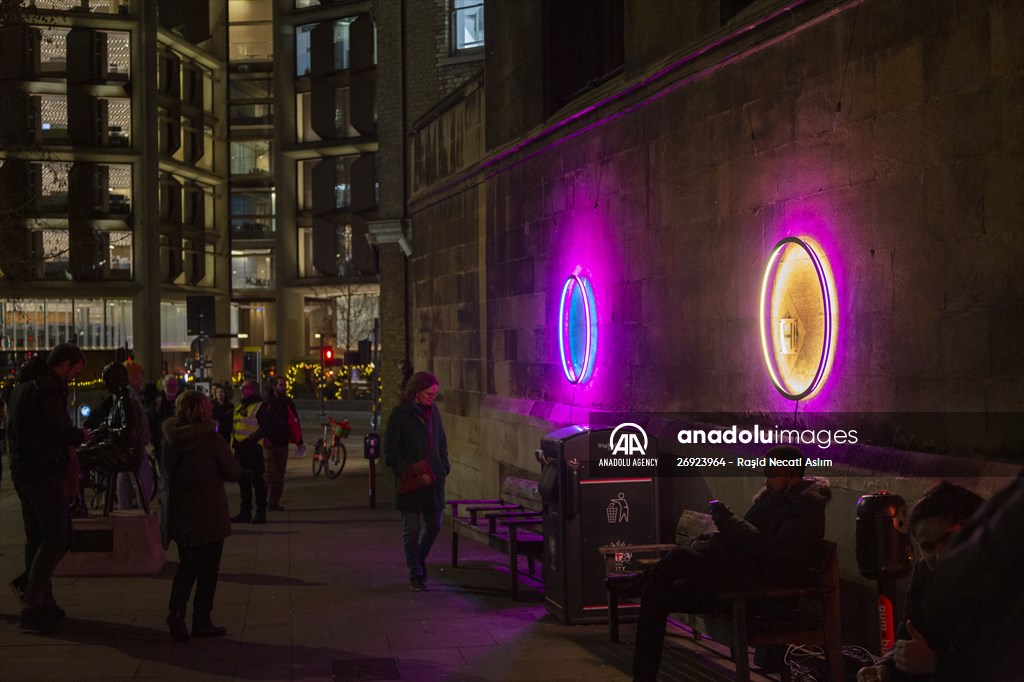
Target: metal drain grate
{"points": [[365, 669]]}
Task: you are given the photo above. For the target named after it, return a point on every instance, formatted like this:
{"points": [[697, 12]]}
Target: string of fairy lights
{"points": [[306, 373]]}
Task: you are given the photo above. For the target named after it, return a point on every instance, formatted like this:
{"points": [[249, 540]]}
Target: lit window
{"points": [[467, 25], [302, 49]]}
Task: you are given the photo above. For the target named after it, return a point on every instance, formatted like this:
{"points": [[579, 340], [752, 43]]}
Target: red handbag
{"points": [[416, 476]]}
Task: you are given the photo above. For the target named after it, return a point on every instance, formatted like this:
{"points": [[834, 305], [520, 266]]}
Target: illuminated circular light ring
{"points": [[586, 367], [827, 285]]}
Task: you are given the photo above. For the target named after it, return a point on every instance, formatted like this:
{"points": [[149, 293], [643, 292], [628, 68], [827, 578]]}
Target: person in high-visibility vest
{"points": [[246, 443]]}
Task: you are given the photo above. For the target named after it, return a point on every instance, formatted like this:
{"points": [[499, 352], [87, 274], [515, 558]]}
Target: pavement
{"points": [[319, 593]]}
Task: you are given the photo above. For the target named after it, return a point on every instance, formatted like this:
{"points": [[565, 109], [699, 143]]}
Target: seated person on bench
{"points": [[769, 547]]}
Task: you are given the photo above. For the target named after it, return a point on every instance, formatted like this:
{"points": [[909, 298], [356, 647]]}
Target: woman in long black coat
{"points": [[198, 464], [415, 432]]}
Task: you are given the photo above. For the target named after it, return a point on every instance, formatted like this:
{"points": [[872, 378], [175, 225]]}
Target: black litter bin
{"points": [[583, 510]]}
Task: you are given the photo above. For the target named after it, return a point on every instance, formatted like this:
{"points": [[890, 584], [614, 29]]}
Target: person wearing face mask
{"points": [[934, 520], [414, 433]]}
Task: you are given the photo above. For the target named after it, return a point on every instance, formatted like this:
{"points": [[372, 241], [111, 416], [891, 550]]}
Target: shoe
{"points": [[416, 584], [41, 618], [242, 517], [18, 587], [626, 585], [208, 629], [275, 506], [176, 624], [261, 517]]}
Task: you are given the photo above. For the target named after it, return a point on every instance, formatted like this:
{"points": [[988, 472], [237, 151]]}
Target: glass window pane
{"points": [[303, 119], [247, 10], [53, 118], [343, 181], [467, 24], [252, 270], [302, 49], [119, 56], [342, 43], [53, 49], [250, 88], [119, 121], [250, 157], [120, 255], [251, 42]]}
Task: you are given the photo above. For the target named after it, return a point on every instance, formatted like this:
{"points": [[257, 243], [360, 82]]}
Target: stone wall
{"points": [[904, 162]]}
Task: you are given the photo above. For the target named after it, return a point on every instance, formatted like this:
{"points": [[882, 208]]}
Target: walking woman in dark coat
{"points": [[415, 432], [198, 463]]}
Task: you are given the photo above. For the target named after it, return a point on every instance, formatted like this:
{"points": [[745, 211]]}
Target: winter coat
{"points": [[198, 463], [273, 419], [409, 438], [772, 544], [224, 415], [40, 429], [976, 600]]}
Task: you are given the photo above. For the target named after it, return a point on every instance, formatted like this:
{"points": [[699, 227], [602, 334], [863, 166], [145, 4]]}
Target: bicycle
{"points": [[330, 453]]}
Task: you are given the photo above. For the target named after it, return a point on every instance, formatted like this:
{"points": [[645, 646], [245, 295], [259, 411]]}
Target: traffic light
{"points": [[327, 355]]}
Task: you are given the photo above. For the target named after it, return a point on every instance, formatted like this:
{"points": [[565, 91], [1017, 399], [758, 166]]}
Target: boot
{"points": [[206, 628], [176, 624]]}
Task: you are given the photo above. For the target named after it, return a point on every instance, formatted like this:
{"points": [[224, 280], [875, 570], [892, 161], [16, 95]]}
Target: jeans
{"points": [[702, 580], [198, 565], [44, 512], [417, 544], [277, 461]]}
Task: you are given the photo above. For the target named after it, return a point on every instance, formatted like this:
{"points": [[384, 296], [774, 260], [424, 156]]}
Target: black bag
{"points": [[110, 453]]}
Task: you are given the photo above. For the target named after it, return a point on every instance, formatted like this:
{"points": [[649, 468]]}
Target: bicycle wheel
{"points": [[318, 457], [334, 460]]}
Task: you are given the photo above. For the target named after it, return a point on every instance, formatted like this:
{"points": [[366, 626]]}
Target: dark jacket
{"points": [[224, 415], [976, 601], [409, 438], [773, 543], [40, 429], [198, 463], [273, 419]]}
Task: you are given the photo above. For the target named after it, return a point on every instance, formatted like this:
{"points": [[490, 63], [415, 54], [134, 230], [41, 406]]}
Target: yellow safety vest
{"points": [[245, 421]]}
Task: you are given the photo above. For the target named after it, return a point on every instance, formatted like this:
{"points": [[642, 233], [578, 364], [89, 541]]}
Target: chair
{"points": [[750, 627]]}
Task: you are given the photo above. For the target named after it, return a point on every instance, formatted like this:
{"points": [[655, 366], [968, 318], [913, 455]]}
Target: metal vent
{"points": [[365, 669]]}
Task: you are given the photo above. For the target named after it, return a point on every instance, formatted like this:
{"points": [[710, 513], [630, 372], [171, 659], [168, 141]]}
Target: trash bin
{"points": [[584, 510]]}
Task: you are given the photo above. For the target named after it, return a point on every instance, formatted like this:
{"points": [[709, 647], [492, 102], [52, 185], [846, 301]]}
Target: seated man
{"points": [[934, 520], [771, 546], [976, 603]]}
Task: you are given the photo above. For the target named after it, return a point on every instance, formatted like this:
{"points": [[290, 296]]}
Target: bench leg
{"points": [[740, 653], [613, 618], [455, 547], [513, 566]]}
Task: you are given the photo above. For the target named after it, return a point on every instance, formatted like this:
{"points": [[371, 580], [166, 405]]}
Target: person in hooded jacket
{"points": [[772, 545], [40, 434], [198, 463], [415, 432]]}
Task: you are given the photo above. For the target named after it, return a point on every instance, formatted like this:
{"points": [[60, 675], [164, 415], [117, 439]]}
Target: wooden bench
{"points": [[735, 619], [510, 524]]}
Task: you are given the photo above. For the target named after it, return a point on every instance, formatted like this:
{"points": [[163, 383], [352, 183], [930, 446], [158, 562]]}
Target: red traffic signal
{"points": [[327, 355]]}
